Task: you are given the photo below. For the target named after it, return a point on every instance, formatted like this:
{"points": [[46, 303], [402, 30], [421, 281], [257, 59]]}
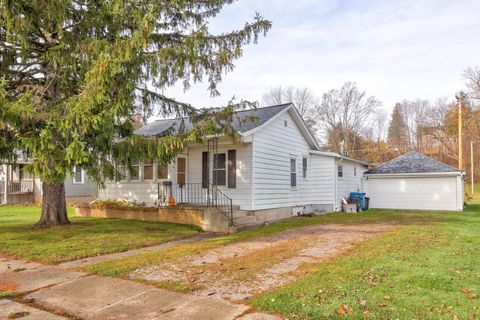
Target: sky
{"points": [[393, 50]]}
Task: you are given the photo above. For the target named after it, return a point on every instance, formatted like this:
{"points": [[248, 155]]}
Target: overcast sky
{"points": [[394, 50]]}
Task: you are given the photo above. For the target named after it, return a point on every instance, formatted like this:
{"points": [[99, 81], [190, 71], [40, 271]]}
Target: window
{"points": [[285, 123], [148, 171], [340, 171], [135, 172], [162, 172], [219, 169], [304, 167], [355, 171], [78, 175], [121, 173], [293, 172]]}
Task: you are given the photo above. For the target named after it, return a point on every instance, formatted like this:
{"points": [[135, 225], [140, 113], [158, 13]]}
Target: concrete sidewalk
{"points": [[86, 296], [117, 255]]}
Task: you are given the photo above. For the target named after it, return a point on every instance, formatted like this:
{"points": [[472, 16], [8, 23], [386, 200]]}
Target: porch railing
{"points": [[19, 186], [196, 193]]}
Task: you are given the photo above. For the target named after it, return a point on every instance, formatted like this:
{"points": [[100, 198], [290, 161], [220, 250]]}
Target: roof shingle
{"points": [[159, 127], [412, 162]]}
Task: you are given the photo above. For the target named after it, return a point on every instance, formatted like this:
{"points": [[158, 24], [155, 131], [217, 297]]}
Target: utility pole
{"points": [[460, 96], [471, 165]]}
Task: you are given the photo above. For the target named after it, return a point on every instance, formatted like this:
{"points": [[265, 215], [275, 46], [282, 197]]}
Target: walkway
{"points": [[113, 256]]}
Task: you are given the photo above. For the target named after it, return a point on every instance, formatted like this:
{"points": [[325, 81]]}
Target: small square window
{"points": [[340, 171], [285, 123]]}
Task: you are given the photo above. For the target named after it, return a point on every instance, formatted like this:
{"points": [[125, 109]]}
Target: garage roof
{"points": [[412, 162]]}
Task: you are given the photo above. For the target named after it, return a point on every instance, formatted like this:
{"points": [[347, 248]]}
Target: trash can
{"points": [[367, 203], [361, 198]]}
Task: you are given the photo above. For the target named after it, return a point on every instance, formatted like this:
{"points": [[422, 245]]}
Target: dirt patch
{"points": [[241, 270]]}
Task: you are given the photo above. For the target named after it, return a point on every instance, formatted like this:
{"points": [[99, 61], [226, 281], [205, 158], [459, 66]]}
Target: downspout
{"points": [[335, 178], [253, 174]]}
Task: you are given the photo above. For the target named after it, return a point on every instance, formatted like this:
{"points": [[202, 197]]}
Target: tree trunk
{"points": [[54, 208]]}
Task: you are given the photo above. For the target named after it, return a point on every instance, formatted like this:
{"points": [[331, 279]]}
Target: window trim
{"points": [[293, 187], [215, 183], [82, 175]]}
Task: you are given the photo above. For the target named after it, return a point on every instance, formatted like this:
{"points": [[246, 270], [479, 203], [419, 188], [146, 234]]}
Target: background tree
{"points": [[398, 131], [75, 71], [344, 114], [303, 98]]}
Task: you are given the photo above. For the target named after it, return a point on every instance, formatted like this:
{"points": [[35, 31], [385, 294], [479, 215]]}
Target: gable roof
{"points": [[412, 162], [159, 127], [263, 115]]}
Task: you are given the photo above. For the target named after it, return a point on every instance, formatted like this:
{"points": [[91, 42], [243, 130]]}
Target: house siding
{"points": [[274, 146], [349, 182], [241, 194]]}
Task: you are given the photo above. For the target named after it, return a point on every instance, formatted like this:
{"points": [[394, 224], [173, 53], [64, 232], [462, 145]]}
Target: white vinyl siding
{"points": [[351, 180], [416, 193], [274, 147], [241, 194]]}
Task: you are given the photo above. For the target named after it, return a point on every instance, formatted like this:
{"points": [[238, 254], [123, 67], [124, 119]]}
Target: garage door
{"points": [[413, 193]]}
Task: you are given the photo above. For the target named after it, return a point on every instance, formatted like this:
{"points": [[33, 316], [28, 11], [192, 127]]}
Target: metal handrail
{"points": [[196, 193]]}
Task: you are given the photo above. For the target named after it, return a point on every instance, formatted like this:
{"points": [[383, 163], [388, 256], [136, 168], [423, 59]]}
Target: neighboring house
{"points": [[274, 171], [23, 188], [414, 181]]}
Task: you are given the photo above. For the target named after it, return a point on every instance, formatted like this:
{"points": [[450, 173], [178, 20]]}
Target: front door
{"points": [[181, 171]]}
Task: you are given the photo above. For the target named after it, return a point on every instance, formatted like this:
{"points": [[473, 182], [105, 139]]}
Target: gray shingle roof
{"points": [[160, 127], [412, 162]]}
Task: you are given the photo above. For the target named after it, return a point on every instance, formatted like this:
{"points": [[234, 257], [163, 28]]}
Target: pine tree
{"points": [[73, 72], [398, 131]]}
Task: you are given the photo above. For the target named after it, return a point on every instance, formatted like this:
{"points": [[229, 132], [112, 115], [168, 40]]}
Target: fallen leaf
{"points": [[388, 298], [465, 291]]}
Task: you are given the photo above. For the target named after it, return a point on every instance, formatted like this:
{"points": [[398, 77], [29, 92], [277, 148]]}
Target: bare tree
{"points": [[344, 113], [303, 98], [414, 113], [472, 75], [380, 125]]}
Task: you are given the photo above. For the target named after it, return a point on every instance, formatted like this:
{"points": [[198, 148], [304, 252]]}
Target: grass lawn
{"points": [[428, 271], [83, 238]]}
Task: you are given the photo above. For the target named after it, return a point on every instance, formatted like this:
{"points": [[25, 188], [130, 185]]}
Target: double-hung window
{"points": [[147, 171], [78, 175], [304, 167], [293, 172], [135, 172], [340, 171], [219, 169]]}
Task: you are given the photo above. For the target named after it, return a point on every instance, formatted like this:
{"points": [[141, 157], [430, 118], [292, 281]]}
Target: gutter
{"points": [[414, 175]]}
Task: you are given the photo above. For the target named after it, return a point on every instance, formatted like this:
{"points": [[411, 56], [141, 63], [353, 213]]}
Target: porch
{"points": [[17, 191]]}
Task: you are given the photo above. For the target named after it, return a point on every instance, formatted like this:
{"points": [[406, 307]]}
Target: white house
{"points": [[276, 170]]}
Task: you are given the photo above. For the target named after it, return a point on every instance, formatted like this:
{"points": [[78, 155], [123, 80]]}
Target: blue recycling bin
{"points": [[360, 196]]}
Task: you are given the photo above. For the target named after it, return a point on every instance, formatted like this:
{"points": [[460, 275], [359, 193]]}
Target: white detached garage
{"points": [[414, 181]]}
